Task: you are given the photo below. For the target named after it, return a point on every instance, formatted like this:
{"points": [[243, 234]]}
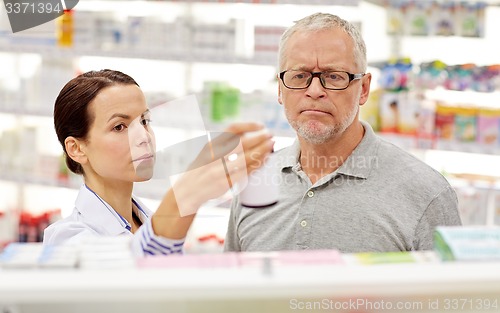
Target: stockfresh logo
{"points": [[26, 14]]}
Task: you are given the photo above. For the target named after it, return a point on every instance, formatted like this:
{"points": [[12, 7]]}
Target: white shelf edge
{"points": [[184, 56]]}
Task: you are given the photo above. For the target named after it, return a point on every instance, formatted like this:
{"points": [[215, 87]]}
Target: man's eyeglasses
{"points": [[332, 80]]}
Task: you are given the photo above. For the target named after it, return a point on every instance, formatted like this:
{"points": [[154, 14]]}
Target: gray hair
{"points": [[322, 21]]}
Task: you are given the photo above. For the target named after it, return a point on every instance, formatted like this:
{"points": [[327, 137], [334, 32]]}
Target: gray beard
{"points": [[328, 132]]}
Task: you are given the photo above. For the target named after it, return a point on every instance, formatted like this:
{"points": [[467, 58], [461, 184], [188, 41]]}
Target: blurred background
{"points": [[436, 90]]}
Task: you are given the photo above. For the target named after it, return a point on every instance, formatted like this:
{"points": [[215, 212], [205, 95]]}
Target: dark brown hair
{"points": [[71, 114]]}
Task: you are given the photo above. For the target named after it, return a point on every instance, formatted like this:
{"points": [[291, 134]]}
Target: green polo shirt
{"points": [[380, 199]]}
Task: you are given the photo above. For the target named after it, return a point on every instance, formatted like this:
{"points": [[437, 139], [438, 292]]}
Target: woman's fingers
{"points": [[224, 161], [252, 140], [256, 142], [241, 128], [252, 156]]}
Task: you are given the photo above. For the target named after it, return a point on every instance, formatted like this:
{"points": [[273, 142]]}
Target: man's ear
{"points": [[280, 94], [75, 149], [365, 88]]}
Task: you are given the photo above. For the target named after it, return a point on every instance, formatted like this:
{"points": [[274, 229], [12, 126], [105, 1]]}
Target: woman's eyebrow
{"points": [[124, 116]]}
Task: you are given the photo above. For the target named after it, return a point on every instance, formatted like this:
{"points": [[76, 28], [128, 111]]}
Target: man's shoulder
{"points": [[406, 163]]}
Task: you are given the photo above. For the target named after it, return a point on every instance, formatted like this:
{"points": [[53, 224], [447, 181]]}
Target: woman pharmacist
{"points": [[103, 124]]}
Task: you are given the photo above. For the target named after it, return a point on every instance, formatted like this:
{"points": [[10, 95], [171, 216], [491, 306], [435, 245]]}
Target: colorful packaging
{"points": [[445, 122], [472, 205], [496, 208], [465, 123], [481, 20], [389, 112], [459, 77], [418, 18], [409, 106], [369, 111], [469, 19], [488, 126], [368, 258], [395, 18], [444, 18], [426, 121], [431, 75], [478, 243], [225, 102], [65, 29]]}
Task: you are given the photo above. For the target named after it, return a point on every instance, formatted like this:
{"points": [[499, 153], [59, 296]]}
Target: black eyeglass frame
{"points": [[318, 74]]}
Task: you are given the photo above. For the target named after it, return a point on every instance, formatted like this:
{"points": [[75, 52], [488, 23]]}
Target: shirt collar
{"points": [[101, 215], [359, 164], [141, 211], [364, 157]]}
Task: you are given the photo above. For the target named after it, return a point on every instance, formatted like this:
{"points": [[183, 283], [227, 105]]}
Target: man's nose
{"points": [[316, 89]]}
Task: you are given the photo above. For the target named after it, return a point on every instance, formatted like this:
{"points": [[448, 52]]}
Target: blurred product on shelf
{"points": [[488, 126], [266, 40], [224, 102], [445, 122], [496, 207], [401, 74], [114, 253], [468, 243], [418, 22], [436, 18], [6, 229], [472, 77], [65, 29], [31, 226], [473, 204], [456, 244], [209, 243], [396, 75], [399, 112], [404, 106], [431, 75], [369, 258], [459, 77], [465, 124]]}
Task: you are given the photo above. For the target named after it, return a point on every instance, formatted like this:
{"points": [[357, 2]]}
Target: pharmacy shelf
{"points": [[19, 110], [253, 2], [295, 2], [156, 192], [265, 287], [415, 143], [29, 179], [52, 51], [385, 3], [408, 142]]}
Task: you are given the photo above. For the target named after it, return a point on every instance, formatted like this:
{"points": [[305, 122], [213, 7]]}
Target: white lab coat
{"points": [[92, 216]]}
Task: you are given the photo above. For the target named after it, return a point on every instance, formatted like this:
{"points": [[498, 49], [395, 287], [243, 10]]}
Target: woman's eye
{"points": [[119, 127], [145, 121]]}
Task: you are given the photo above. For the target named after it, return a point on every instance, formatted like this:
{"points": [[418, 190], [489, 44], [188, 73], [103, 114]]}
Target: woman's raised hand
{"points": [[228, 158]]}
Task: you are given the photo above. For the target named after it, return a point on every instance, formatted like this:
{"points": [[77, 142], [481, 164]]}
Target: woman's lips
{"points": [[144, 157]]}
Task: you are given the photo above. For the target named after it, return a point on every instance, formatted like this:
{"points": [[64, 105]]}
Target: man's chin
{"points": [[314, 133]]}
